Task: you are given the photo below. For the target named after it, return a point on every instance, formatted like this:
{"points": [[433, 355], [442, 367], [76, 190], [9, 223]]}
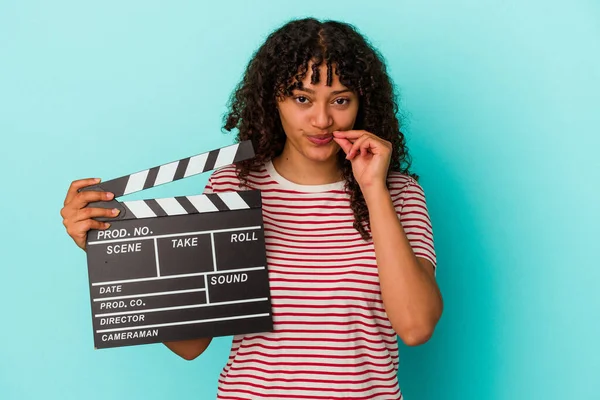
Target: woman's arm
{"points": [[411, 297], [189, 349], [410, 294]]}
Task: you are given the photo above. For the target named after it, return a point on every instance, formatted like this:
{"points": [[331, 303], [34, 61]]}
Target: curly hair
{"points": [[278, 67]]}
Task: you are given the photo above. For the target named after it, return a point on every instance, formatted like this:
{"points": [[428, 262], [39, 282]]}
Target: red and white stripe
{"points": [[332, 338]]}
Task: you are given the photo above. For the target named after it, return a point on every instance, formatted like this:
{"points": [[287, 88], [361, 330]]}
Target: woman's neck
{"points": [[296, 168]]}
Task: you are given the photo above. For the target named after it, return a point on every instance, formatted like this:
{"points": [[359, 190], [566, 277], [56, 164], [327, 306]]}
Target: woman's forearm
{"points": [[410, 294]]}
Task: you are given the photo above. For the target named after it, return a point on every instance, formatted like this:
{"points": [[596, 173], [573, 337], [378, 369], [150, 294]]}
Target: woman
{"points": [[348, 238]]}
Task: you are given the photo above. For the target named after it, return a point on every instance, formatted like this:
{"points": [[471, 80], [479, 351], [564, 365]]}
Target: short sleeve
{"points": [[208, 189], [221, 180], [411, 207]]}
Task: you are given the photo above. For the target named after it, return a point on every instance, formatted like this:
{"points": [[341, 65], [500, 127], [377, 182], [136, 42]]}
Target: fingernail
{"points": [[97, 180], [109, 195], [115, 211], [106, 225]]}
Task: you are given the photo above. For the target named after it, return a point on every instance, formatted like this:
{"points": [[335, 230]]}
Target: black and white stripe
{"points": [[179, 169], [184, 205]]}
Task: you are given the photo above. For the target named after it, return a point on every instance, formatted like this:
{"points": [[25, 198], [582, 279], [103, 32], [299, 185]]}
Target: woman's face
{"points": [[312, 113]]}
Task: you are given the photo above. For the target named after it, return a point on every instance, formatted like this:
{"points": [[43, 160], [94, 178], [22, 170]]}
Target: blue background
{"points": [[502, 110]]}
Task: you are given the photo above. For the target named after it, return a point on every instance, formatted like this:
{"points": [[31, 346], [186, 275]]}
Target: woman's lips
{"points": [[320, 140]]}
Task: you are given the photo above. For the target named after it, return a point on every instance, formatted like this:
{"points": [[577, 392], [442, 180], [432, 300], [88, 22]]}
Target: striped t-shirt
{"points": [[331, 336]]}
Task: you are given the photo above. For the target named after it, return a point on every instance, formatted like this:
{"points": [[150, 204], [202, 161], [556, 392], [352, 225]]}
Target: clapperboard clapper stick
{"points": [[181, 267]]}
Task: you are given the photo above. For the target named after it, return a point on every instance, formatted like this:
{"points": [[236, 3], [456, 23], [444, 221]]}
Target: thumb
{"points": [[345, 144]]}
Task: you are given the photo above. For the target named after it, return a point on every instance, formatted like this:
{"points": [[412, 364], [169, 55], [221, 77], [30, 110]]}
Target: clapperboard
{"points": [[181, 267]]}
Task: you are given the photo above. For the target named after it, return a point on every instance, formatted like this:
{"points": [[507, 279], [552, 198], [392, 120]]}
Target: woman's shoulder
{"points": [[401, 181], [402, 185], [221, 174], [226, 178], [223, 179]]}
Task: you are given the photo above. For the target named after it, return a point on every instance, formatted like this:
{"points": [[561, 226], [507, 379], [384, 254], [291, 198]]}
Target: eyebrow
{"points": [[335, 92]]}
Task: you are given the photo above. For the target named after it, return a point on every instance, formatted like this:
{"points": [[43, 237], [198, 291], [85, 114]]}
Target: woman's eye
{"points": [[301, 99], [341, 101]]}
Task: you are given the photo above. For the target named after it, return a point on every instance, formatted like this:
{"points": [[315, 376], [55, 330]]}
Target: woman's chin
{"points": [[322, 153]]}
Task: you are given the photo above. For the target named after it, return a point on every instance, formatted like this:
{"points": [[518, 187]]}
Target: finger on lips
{"points": [[355, 135], [345, 144], [360, 142], [362, 145], [351, 134], [364, 148]]}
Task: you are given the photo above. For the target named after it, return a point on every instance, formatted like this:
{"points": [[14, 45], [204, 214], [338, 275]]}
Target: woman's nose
{"points": [[321, 118]]}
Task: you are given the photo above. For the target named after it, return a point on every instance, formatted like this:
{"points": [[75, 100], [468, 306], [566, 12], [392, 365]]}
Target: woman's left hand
{"points": [[369, 154]]}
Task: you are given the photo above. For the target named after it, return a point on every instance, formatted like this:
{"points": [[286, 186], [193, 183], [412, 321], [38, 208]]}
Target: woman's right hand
{"points": [[77, 218]]}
